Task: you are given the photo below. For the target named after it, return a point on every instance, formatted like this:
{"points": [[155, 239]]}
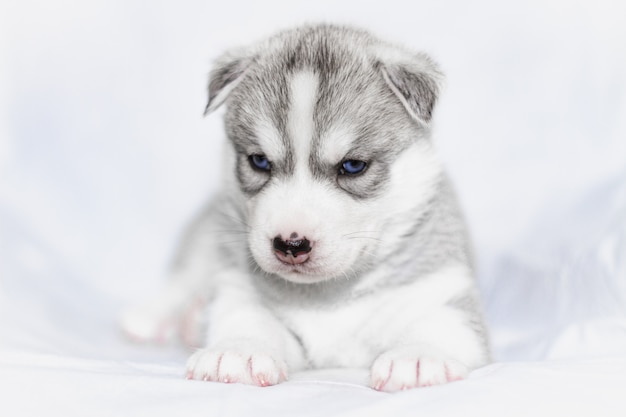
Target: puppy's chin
{"points": [[298, 274], [300, 277]]}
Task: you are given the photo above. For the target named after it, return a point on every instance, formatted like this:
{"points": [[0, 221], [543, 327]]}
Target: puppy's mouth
{"points": [[297, 268]]}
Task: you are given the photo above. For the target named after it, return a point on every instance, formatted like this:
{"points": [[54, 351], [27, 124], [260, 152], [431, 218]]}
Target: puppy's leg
{"points": [[178, 309], [173, 312], [438, 348], [247, 343]]}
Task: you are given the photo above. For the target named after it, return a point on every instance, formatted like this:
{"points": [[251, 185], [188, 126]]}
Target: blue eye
{"points": [[352, 166], [260, 162]]}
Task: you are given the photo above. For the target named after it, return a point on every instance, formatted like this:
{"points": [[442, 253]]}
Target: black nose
{"points": [[292, 247]]}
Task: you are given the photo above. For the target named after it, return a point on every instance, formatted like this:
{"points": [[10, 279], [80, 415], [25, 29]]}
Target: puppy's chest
{"points": [[348, 335]]}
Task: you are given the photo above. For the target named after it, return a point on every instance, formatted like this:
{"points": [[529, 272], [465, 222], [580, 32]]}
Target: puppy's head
{"points": [[330, 131]]}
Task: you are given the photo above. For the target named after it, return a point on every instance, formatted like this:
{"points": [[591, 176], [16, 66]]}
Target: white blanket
{"points": [[104, 156]]}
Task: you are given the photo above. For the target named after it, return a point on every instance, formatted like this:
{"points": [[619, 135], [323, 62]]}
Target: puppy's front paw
{"points": [[236, 365], [409, 367]]}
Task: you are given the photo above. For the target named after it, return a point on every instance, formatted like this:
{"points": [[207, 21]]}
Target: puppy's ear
{"points": [[415, 79], [227, 72]]}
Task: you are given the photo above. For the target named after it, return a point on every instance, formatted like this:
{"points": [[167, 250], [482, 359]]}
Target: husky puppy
{"points": [[336, 240]]}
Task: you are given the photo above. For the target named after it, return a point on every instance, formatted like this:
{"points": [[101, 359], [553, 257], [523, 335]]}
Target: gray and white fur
{"points": [[304, 264]]}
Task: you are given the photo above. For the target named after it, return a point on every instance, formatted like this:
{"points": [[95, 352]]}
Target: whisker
{"points": [[360, 231], [364, 237], [234, 232], [235, 218], [231, 243]]}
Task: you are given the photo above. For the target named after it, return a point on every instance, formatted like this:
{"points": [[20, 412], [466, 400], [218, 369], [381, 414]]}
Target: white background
{"points": [[104, 156]]}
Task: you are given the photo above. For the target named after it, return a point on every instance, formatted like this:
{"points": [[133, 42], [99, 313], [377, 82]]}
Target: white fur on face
{"points": [[269, 136], [300, 125], [318, 212], [337, 144]]}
